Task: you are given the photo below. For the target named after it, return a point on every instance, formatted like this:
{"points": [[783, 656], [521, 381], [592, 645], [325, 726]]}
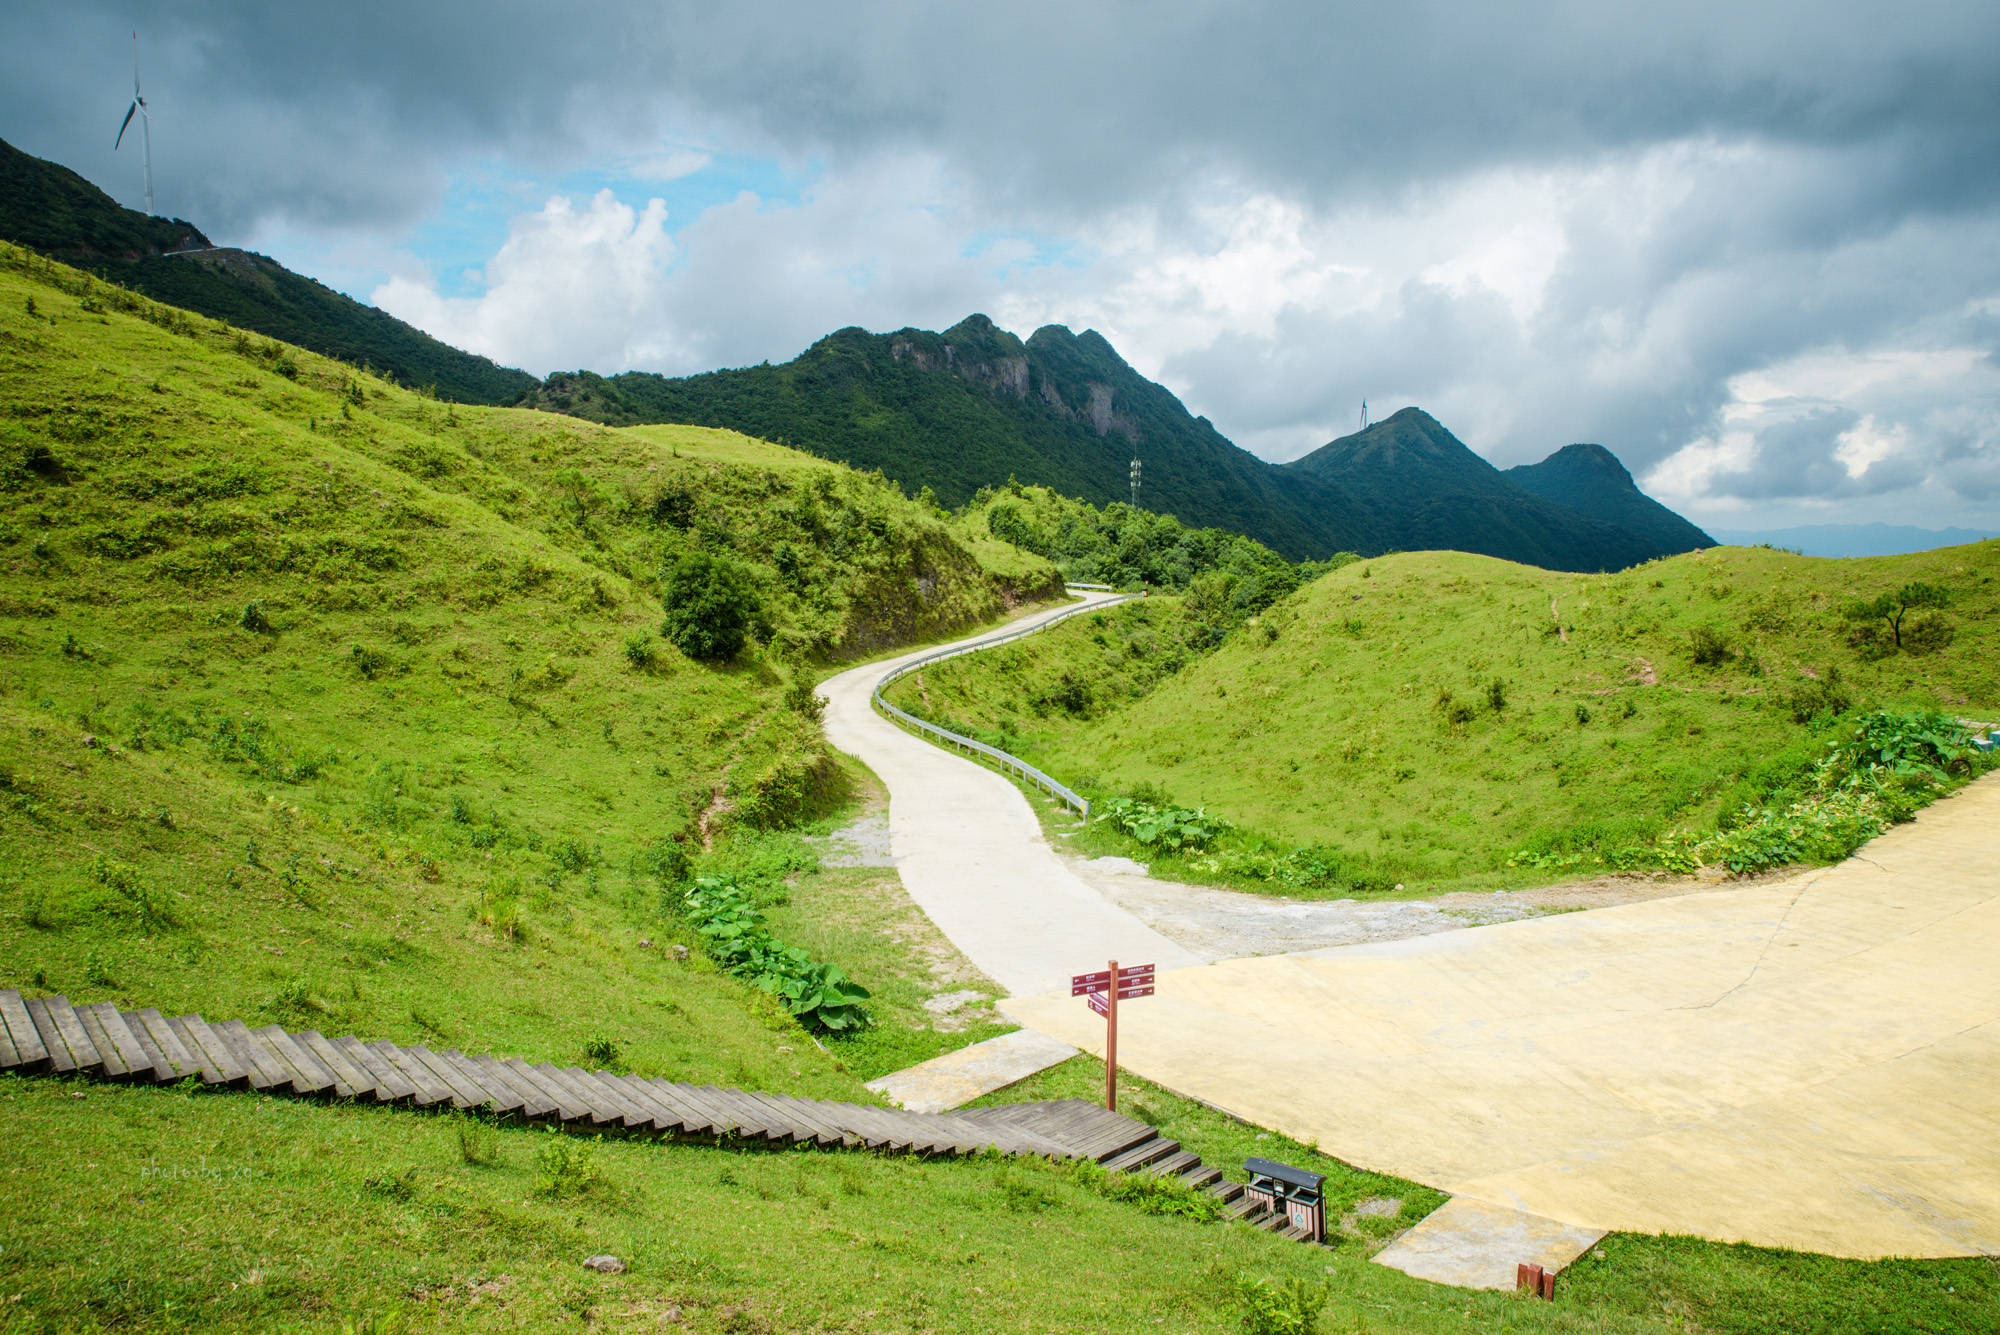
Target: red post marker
{"points": [[1111, 1042], [1102, 992]]}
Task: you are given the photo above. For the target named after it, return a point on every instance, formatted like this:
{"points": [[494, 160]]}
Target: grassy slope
{"points": [[427, 800], [1322, 724]]}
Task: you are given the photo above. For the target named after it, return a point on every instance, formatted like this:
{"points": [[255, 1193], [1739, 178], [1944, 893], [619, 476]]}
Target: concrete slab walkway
{"points": [[971, 852], [1476, 1246], [1810, 1063], [957, 1078]]}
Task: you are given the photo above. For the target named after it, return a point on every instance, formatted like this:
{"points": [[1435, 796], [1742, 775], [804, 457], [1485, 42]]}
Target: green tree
{"points": [[712, 606], [1892, 610]]}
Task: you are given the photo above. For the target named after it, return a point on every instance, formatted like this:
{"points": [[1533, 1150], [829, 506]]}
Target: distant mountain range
{"points": [[1853, 539], [975, 405], [49, 208], [954, 412]]}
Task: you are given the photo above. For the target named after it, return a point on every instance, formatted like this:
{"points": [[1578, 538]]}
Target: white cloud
{"points": [[568, 288]]}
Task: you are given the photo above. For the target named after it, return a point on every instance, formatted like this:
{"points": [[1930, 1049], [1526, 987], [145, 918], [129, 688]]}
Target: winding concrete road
{"points": [[971, 853], [1810, 1063]]}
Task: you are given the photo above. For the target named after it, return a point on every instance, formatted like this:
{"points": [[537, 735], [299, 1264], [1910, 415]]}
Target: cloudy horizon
{"points": [[1753, 250]]}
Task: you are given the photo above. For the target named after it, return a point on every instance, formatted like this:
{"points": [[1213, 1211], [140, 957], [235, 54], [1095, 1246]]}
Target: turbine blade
{"points": [[130, 112]]}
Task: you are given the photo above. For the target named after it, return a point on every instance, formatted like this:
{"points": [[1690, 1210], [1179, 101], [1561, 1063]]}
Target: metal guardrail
{"points": [[946, 737]]}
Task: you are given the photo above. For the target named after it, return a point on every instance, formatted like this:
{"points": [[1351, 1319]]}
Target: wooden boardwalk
{"points": [[47, 1034]]}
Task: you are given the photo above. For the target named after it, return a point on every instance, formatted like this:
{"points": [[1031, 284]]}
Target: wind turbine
{"points": [[138, 108]]}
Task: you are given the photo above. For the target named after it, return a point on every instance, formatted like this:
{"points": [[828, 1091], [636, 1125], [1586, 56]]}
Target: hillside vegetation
{"points": [[49, 208], [1436, 720], [318, 697]]}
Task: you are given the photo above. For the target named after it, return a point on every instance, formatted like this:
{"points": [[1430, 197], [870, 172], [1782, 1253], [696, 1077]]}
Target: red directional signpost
{"points": [[1102, 991]]}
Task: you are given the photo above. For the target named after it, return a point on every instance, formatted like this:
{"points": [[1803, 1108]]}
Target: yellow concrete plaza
{"points": [[1812, 1063]]}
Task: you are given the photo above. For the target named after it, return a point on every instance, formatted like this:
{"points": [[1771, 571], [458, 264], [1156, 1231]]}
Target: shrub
{"points": [[639, 651], [254, 619], [1496, 695], [1709, 647], [1291, 1308], [566, 1166], [1150, 1192], [478, 1143], [803, 700], [712, 606]]}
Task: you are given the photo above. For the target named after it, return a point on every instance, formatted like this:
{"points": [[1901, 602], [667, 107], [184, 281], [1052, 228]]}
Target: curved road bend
{"points": [[971, 853]]}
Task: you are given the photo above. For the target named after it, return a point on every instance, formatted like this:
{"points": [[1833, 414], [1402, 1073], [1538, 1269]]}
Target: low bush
{"points": [[817, 994], [1169, 828]]}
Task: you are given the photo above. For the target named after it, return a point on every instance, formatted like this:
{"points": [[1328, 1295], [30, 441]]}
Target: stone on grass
{"points": [[605, 1265]]}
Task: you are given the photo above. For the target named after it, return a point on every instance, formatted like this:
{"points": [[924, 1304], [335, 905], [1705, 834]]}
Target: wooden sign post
{"points": [[1102, 992]]}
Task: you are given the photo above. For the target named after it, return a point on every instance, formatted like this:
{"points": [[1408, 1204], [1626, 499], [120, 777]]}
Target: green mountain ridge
{"points": [[49, 208], [975, 405], [1590, 480], [965, 408], [1445, 497]]}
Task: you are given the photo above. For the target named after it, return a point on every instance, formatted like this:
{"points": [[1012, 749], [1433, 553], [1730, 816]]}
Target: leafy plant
{"points": [[566, 1166], [1150, 1192], [1176, 829], [819, 995], [1291, 1308]]}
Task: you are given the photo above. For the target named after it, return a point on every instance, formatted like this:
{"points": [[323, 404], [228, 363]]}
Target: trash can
{"points": [[1291, 1192]]}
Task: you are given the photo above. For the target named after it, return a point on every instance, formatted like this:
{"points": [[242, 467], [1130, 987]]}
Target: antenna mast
{"points": [[1135, 481]]}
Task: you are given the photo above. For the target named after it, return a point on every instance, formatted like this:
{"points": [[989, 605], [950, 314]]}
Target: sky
{"points": [[1754, 249]]}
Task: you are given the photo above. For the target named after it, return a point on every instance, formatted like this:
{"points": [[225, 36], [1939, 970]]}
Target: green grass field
{"points": [[319, 706], [1433, 715]]}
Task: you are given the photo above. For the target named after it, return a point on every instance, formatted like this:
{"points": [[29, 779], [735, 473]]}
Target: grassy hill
{"points": [[49, 208], [1442, 720], [324, 703]]}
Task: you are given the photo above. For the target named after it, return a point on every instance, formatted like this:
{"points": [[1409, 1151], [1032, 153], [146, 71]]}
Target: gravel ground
{"points": [[1228, 924]]}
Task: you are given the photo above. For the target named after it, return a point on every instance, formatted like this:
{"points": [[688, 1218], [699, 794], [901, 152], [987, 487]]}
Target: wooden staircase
{"points": [[47, 1034]]}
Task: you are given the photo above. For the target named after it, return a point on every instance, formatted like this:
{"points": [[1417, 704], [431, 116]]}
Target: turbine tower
{"points": [[1364, 416], [138, 108]]}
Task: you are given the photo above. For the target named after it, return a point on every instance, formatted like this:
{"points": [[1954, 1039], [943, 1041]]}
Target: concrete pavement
{"points": [[971, 852], [1811, 1063]]}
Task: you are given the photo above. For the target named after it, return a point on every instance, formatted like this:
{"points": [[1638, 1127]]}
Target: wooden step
{"points": [[260, 1065], [1173, 1165], [30, 1052], [349, 1081], [426, 1090], [1244, 1207], [171, 1059], [534, 1104], [219, 1063], [1201, 1176], [390, 1086], [113, 1041], [570, 1106], [1138, 1157], [66, 1029], [501, 1098], [1225, 1190], [305, 1075]]}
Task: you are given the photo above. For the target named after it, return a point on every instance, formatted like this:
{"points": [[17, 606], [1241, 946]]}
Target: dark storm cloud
{"points": [[343, 111], [1795, 458]]}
